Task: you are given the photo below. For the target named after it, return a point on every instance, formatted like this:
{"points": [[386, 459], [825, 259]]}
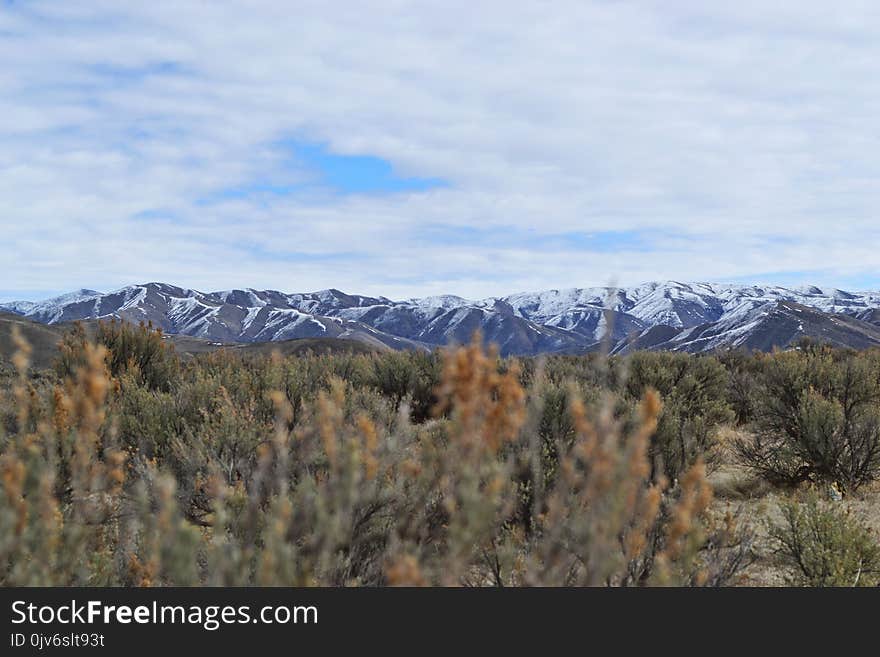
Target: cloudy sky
{"points": [[413, 148]]}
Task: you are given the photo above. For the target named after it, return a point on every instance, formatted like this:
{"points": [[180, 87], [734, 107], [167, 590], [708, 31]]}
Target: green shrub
{"points": [[823, 545], [741, 383], [302, 471], [693, 393], [817, 417], [140, 350], [410, 377]]}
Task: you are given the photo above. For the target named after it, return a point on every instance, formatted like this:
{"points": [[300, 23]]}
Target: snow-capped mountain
{"points": [[48, 311], [759, 327], [671, 315]]}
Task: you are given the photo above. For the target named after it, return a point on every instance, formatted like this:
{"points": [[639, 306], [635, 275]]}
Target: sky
{"points": [[419, 148]]}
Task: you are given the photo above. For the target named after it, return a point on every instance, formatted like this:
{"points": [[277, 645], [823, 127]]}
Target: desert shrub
{"points": [[693, 391], [602, 521], [139, 349], [72, 351], [408, 376], [123, 483], [62, 488], [817, 417], [821, 544], [550, 411], [741, 383], [589, 371], [147, 420], [354, 369], [555, 426]]}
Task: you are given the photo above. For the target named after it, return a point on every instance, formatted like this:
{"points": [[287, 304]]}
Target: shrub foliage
{"points": [[133, 466], [821, 545], [817, 417]]}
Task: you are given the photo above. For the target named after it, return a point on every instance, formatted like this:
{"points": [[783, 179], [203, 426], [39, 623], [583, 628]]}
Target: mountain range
{"points": [[690, 317]]}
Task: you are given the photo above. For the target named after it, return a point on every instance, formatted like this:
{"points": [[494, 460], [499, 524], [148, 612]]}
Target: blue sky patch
{"points": [[355, 174], [307, 168]]}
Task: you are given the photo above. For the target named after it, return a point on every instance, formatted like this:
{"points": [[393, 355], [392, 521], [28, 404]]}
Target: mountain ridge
{"points": [[672, 315]]}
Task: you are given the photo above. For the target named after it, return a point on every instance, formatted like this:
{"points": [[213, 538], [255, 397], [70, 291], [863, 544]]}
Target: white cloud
{"points": [[745, 137]]}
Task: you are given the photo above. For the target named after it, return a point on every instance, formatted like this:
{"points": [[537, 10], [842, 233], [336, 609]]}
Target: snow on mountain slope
{"points": [[667, 315], [48, 311], [231, 316], [18, 307], [764, 328]]}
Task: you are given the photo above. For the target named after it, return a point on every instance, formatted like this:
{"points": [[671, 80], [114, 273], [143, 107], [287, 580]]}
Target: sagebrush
{"points": [[130, 465]]}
